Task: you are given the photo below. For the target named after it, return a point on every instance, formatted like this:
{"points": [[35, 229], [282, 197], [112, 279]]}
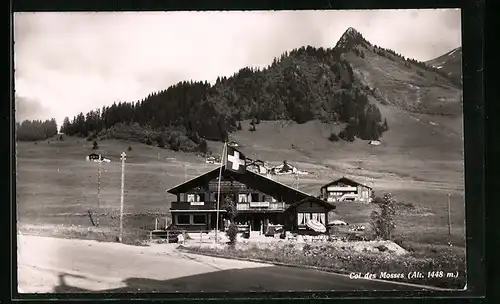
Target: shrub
{"points": [[383, 222], [232, 233], [347, 134], [252, 128], [239, 126], [95, 145], [232, 212], [385, 127], [161, 141], [203, 146], [129, 148], [333, 137]]}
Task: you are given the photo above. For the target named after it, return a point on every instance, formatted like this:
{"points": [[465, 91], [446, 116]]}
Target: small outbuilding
{"points": [[93, 156]]}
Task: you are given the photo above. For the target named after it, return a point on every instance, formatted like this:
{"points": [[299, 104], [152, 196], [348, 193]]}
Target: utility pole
{"points": [[224, 151], [449, 215], [98, 191], [121, 199], [99, 185]]}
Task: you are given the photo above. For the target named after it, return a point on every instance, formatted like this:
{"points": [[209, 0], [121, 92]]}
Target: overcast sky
{"points": [[66, 63]]}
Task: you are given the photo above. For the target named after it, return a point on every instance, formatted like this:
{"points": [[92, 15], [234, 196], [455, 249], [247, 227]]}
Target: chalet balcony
{"points": [[193, 206], [261, 206]]}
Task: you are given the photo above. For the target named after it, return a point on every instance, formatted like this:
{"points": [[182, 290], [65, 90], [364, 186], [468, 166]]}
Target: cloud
{"points": [[29, 109], [75, 62]]}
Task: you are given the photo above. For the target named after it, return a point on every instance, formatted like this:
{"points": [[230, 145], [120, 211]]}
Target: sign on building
{"points": [[259, 204]]}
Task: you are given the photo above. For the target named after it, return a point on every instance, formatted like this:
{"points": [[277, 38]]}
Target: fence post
{"points": [[156, 223], [168, 237], [150, 235]]}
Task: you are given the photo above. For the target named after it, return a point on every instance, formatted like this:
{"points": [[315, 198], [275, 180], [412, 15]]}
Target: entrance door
{"points": [[255, 222]]}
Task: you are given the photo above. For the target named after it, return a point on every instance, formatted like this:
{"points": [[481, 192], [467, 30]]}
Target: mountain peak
{"points": [[351, 32], [350, 38]]}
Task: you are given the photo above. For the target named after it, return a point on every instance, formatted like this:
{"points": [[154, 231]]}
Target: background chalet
{"points": [[260, 202], [345, 189]]}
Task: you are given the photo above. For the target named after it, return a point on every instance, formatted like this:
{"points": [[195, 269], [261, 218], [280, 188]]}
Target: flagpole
{"points": [[218, 192]]}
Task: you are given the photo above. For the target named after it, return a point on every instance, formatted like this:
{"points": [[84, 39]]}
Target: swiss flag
{"points": [[235, 160]]}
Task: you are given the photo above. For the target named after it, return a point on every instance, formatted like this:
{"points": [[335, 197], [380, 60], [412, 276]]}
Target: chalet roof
{"points": [[254, 180], [313, 199], [343, 178], [192, 182]]}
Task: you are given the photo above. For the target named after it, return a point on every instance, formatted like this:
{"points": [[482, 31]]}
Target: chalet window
{"points": [[201, 197], [242, 198], [255, 197], [302, 218], [191, 198], [183, 219], [199, 219], [273, 200]]}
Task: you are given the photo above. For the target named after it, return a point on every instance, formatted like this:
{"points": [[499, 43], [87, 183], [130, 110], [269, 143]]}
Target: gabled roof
{"points": [[343, 178], [194, 181], [254, 180], [313, 199]]}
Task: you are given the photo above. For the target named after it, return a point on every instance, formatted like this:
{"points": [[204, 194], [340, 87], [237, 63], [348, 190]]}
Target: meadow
{"points": [[57, 188]]}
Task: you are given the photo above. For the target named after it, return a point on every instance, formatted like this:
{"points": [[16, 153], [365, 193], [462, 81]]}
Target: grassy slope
{"points": [[402, 86], [57, 186], [450, 62]]}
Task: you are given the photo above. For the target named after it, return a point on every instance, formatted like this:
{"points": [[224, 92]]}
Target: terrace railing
{"points": [[210, 205], [260, 206]]}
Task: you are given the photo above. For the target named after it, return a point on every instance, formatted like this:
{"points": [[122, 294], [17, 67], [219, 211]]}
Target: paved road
{"points": [[63, 265]]}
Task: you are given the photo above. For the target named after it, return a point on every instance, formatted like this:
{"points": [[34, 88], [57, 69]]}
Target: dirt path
{"points": [[64, 265]]}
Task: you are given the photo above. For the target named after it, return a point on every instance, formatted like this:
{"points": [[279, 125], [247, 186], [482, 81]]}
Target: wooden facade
{"points": [[260, 202]]}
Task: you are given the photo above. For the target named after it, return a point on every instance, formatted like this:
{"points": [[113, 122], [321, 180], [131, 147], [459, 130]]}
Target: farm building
{"points": [[345, 189], [261, 203], [284, 168], [259, 166], [94, 156], [97, 157]]}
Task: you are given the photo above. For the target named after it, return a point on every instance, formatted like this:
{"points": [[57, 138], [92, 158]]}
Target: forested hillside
{"points": [[301, 85], [32, 130], [304, 84]]}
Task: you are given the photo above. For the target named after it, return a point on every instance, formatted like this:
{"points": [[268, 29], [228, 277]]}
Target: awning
{"points": [[316, 226]]}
